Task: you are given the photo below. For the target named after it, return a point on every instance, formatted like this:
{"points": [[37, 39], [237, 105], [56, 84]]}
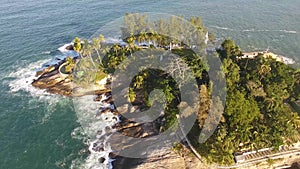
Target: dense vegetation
{"points": [[98, 58], [256, 115], [162, 35]]}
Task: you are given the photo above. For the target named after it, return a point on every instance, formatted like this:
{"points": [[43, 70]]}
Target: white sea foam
{"points": [[222, 28], [288, 31], [46, 52], [22, 79], [248, 30], [63, 48], [115, 40], [94, 127], [255, 30], [267, 30], [51, 63]]}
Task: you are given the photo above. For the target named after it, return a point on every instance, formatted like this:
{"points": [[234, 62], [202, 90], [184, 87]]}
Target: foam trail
{"points": [[255, 30], [222, 28], [248, 30], [46, 52], [98, 128], [267, 30], [287, 31]]}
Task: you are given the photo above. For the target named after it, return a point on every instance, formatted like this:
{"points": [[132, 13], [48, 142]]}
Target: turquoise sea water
{"points": [[36, 128]]}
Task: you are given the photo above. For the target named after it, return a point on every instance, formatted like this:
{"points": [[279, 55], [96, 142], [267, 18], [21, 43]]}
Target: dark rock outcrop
{"points": [[70, 47], [53, 82]]}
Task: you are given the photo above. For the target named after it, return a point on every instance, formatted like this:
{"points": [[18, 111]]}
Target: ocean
{"points": [[42, 131]]}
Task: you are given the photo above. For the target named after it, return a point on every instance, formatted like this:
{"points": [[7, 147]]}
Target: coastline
{"points": [[50, 80], [42, 130]]}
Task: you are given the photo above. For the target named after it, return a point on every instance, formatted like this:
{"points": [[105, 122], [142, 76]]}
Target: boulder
{"points": [[70, 47]]}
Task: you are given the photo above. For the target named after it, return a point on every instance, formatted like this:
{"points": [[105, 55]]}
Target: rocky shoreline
{"points": [[50, 80]]}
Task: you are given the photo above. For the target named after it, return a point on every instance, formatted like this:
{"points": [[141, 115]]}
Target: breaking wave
{"points": [[22, 79], [95, 130]]}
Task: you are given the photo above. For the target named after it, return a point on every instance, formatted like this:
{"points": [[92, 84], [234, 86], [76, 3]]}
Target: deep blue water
{"points": [[35, 128]]}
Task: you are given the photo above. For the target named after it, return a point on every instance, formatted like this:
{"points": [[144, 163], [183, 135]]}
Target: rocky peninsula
{"points": [[259, 120], [53, 81]]}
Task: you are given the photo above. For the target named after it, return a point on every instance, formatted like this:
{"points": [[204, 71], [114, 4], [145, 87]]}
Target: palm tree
{"points": [[271, 103], [116, 48], [77, 44], [142, 36], [264, 69], [90, 49], [159, 39], [84, 51], [153, 37], [96, 45], [87, 50], [131, 40], [70, 63], [101, 38]]}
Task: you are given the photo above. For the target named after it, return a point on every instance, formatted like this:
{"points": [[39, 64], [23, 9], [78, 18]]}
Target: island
{"points": [[260, 120]]}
